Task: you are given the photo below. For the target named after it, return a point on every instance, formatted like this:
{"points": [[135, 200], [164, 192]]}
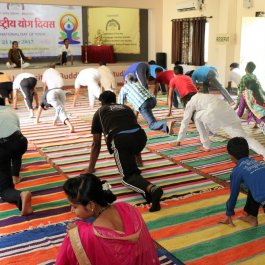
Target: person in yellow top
{"points": [[6, 85]]}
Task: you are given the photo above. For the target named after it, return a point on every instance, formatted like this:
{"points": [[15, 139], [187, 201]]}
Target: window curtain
{"points": [[188, 37]]}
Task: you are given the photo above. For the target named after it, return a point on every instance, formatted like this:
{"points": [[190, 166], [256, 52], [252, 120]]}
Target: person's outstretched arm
{"points": [[95, 149], [169, 100]]}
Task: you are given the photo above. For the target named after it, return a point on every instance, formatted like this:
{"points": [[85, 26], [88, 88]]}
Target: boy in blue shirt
{"points": [[252, 174]]}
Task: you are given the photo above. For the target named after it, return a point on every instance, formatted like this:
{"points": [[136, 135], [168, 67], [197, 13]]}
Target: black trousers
{"points": [[126, 146], [252, 206], [27, 88], [6, 89], [11, 152]]}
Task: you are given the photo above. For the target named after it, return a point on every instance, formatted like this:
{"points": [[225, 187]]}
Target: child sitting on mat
{"points": [[250, 173]]}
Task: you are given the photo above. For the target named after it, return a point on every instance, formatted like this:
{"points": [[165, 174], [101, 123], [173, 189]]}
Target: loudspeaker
{"points": [[161, 59]]}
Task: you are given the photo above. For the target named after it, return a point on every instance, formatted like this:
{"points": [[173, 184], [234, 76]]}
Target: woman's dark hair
{"points": [[86, 188], [107, 97], [238, 147], [254, 87]]}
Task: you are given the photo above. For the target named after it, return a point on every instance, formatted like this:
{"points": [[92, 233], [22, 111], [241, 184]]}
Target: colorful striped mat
{"points": [[193, 202], [41, 245], [189, 229], [49, 201]]}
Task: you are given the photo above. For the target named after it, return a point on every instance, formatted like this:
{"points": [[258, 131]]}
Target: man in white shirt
{"points": [[25, 83], [107, 79], [54, 97], [235, 75], [210, 113], [66, 51], [89, 77]]}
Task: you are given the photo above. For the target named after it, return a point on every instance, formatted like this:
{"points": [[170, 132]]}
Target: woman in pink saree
{"points": [[117, 236]]}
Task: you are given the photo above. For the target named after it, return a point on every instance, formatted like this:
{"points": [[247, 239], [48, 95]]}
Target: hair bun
{"points": [[108, 194]]}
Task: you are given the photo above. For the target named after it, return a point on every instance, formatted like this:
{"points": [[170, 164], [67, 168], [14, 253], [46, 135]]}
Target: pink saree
{"points": [[104, 246]]}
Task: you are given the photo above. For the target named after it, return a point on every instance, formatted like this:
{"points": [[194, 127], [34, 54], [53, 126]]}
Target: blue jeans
{"points": [[146, 111]]}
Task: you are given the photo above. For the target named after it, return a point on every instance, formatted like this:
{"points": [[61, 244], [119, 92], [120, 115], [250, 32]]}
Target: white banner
{"points": [[40, 29]]}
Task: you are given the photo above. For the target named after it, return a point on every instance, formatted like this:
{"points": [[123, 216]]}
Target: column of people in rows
{"points": [[126, 139]]}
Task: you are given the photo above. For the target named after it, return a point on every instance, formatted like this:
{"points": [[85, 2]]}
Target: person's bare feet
{"points": [[26, 203], [201, 148], [71, 129], [170, 125], [252, 220], [16, 179]]}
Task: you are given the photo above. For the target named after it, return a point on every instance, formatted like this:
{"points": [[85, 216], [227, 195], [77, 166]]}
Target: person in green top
{"points": [[250, 67]]}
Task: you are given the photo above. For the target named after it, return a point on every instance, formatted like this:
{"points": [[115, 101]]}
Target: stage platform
{"points": [[68, 72]]}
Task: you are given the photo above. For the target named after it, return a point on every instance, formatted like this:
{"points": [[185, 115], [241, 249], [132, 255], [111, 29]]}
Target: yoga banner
{"points": [[40, 29], [119, 27]]}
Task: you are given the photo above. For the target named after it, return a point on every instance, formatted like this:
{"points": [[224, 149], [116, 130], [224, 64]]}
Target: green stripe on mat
{"points": [[186, 217], [219, 244]]}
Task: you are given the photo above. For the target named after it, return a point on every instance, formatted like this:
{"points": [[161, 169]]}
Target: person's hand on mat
{"points": [[169, 114], [235, 107], [175, 144], [88, 170], [227, 221], [69, 226]]}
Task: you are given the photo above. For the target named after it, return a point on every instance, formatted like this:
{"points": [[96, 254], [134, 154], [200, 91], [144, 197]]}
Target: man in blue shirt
{"points": [[208, 77], [250, 173], [140, 72], [142, 102]]}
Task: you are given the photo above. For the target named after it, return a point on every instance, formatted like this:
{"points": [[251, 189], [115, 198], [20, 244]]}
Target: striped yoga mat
{"points": [[49, 202], [189, 229], [214, 164], [41, 245], [70, 155]]}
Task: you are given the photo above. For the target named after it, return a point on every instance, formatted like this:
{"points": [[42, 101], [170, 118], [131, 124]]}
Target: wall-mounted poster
{"points": [[40, 29], [119, 27]]}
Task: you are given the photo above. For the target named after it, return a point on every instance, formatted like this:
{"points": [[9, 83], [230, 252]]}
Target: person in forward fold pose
{"points": [[251, 173], [126, 139], [6, 85], [143, 102], [12, 146], [54, 96], [117, 235], [107, 80], [208, 76], [205, 110], [26, 84], [89, 77]]}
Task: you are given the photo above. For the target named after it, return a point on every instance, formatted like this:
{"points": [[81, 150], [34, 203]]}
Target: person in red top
{"points": [[182, 84], [162, 78]]}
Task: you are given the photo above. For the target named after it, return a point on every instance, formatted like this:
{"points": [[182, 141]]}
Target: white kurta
{"points": [[212, 114], [107, 79], [89, 77]]}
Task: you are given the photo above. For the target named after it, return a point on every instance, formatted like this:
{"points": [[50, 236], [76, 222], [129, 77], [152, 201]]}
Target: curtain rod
{"points": [[191, 18]]}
